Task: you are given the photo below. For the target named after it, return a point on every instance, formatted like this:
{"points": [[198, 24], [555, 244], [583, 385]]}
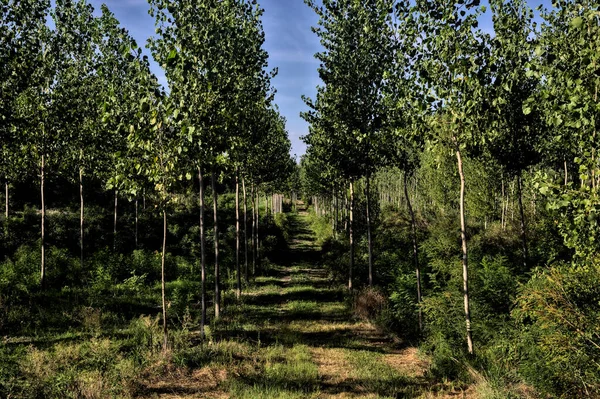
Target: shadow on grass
{"points": [[301, 294], [340, 338], [396, 386]]}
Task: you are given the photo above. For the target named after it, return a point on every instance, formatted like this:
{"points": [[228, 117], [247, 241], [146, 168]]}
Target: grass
{"points": [[291, 336], [373, 374]]}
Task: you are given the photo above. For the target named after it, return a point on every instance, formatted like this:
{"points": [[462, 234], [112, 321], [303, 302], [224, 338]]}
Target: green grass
{"points": [[373, 374], [262, 347]]}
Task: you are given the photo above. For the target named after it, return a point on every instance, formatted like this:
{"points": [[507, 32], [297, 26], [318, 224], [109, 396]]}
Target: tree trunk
{"points": [[81, 209], [268, 212], [245, 230], [43, 238], [115, 222], [253, 230], [238, 292], [522, 214], [351, 227], [136, 222], [216, 238], [257, 229], [162, 277], [503, 207], [370, 242], [346, 214], [415, 251], [463, 237], [335, 214], [566, 173], [202, 254], [6, 198]]}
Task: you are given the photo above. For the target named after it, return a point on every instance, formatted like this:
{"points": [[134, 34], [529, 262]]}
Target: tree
{"points": [[406, 127], [214, 82], [23, 34], [514, 135], [35, 107], [348, 110], [77, 86], [568, 65], [453, 76]]}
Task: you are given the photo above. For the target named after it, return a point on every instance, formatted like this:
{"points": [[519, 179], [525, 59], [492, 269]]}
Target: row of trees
{"points": [[403, 77], [79, 100]]}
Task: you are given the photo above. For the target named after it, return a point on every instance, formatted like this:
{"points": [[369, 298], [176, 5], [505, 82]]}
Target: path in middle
{"points": [[293, 336]]}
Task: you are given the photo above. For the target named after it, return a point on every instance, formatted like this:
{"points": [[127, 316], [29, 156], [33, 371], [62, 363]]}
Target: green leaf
{"points": [[576, 22]]}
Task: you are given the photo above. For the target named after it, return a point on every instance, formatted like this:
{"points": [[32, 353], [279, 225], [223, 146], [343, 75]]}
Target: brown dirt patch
{"points": [[408, 362], [468, 393], [199, 383]]}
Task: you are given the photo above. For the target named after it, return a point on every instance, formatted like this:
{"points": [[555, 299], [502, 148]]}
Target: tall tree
{"points": [[212, 81], [453, 75], [35, 106], [348, 110], [568, 65], [77, 85], [22, 36], [514, 135]]}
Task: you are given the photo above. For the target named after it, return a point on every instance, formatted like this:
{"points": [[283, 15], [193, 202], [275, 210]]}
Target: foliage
{"points": [[560, 317]]}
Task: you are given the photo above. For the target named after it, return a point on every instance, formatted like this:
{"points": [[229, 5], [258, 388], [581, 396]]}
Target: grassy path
{"points": [[293, 336]]}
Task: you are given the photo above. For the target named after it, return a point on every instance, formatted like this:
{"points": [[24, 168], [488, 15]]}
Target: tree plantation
{"points": [[438, 239]]}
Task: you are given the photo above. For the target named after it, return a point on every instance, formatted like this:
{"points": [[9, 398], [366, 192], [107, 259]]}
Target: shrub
{"points": [[559, 312], [369, 303]]}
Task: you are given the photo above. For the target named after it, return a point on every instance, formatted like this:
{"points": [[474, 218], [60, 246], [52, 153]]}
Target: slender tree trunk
{"points": [[503, 207], [346, 215], [6, 199], [162, 277], [258, 228], [144, 198], [351, 227], [136, 222], [566, 173], [512, 202], [463, 236], [81, 209], [115, 222], [335, 213], [43, 238], [238, 292], [216, 238], [254, 195], [415, 250], [202, 254], [245, 230], [370, 242], [522, 214], [268, 212]]}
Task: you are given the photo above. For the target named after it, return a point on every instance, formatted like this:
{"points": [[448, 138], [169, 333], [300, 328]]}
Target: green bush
{"points": [[559, 314]]}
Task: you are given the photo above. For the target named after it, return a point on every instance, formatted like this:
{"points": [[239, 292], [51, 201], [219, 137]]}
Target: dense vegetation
{"points": [[151, 234], [462, 167], [104, 173]]}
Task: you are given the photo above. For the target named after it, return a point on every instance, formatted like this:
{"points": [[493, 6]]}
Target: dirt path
{"points": [[294, 337]]}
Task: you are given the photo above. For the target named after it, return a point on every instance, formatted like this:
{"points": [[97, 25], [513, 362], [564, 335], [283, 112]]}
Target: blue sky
{"points": [[289, 41]]}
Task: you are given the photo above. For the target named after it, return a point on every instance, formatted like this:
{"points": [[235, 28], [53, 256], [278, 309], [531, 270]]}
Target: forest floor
{"points": [[293, 335]]}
